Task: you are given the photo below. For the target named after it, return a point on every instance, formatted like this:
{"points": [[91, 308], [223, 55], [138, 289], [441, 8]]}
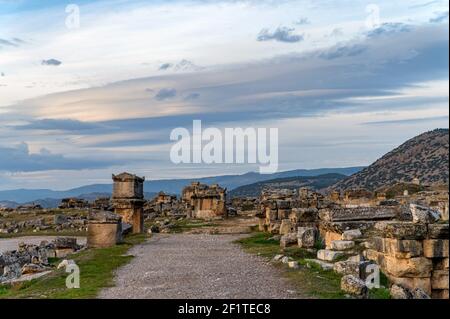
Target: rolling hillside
{"points": [[424, 157]]}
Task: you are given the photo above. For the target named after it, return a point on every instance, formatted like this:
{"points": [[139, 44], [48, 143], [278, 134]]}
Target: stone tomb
{"points": [[128, 200], [104, 229]]}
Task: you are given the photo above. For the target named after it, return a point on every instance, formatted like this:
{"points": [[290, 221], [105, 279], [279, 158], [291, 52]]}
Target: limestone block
{"points": [[288, 240], [398, 248], [422, 214], [331, 236], [412, 283], [329, 255], [306, 237], [342, 244], [286, 227], [351, 234], [399, 292], [305, 214], [440, 294], [354, 286], [439, 279], [402, 230], [347, 268], [435, 248], [438, 231], [262, 224], [283, 213], [440, 263], [419, 267], [274, 228]]}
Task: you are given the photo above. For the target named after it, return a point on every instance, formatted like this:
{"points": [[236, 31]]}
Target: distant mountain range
{"points": [[314, 182], [425, 157], [172, 186]]}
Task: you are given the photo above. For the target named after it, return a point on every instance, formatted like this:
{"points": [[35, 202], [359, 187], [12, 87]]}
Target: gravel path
{"points": [[187, 266], [13, 243]]}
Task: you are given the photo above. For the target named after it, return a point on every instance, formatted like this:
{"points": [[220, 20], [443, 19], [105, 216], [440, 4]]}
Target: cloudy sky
{"points": [[344, 81]]}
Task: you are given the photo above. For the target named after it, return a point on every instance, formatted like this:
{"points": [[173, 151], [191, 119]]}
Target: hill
{"points": [[424, 157], [313, 182], [172, 186]]}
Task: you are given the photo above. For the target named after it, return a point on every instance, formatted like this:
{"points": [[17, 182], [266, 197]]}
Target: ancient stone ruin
{"points": [[128, 200], [203, 201], [406, 236], [104, 229]]}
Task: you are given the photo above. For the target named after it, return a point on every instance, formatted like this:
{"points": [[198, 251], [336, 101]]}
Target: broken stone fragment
{"points": [[278, 257], [342, 245], [398, 292], [354, 286], [351, 234], [288, 240], [65, 242], [401, 230], [347, 267], [397, 248], [419, 267], [422, 214], [419, 294], [306, 237], [32, 269]]}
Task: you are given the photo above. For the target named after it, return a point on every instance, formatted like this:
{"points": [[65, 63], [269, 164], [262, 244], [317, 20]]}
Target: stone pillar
{"points": [[104, 229], [128, 200]]}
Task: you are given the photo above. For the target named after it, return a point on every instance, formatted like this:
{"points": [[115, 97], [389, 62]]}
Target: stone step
{"points": [[329, 255], [342, 245]]}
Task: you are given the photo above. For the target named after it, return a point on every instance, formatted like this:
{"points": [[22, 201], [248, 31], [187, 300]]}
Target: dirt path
{"points": [[196, 266]]}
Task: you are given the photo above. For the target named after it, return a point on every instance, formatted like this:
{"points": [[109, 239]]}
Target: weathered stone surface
{"points": [[286, 227], [439, 279], [435, 248], [347, 268], [32, 269], [354, 286], [63, 252], [440, 263], [342, 245], [104, 234], [440, 294], [412, 283], [288, 240], [419, 293], [65, 242], [398, 292], [422, 214], [397, 248], [329, 255], [357, 213], [65, 263], [274, 228], [305, 214], [286, 259], [278, 257], [418, 267], [438, 231], [329, 237], [351, 234], [401, 230], [306, 237]]}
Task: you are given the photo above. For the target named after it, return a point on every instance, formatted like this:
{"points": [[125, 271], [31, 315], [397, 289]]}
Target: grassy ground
{"points": [[311, 281], [50, 232], [97, 268]]}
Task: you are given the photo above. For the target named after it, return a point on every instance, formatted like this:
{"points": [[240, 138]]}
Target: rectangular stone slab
{"points": [[358, 213]]}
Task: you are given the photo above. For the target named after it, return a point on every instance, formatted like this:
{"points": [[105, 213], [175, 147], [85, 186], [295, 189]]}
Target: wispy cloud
{"points": [[281, 34]]}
